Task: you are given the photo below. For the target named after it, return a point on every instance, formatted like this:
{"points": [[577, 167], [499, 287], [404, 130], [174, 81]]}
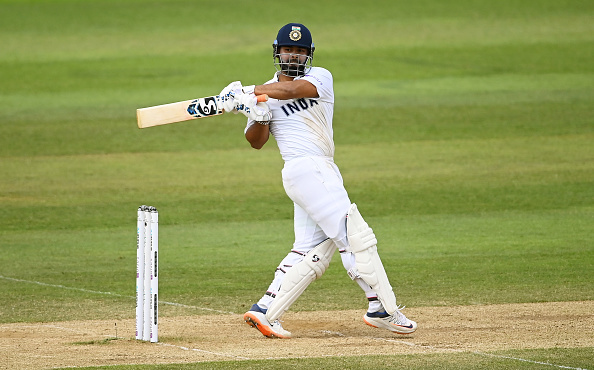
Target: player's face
{"points": [[293, 60], [293, 54]]}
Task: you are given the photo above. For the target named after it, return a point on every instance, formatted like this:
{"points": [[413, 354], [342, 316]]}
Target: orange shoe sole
{"points": [[253, 321]]}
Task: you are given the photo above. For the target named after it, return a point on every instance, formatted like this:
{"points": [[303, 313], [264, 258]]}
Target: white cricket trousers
{"points": [[321, 203]]}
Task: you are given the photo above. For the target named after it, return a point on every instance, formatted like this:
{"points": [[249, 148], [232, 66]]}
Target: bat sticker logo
{"points": [[203, 107]]}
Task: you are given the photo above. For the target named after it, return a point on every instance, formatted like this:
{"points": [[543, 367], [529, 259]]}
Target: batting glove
{"points": [[248, 105], [227, 96], [248, 89]]}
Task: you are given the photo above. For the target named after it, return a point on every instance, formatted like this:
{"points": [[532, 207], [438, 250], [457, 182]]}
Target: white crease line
{"points": [[531, 361], [478, 353], [112, 294], [332, 333], [342, 355], [204, 351]]}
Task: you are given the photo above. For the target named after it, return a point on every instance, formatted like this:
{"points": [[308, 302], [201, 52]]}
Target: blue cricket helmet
{"points": [[293, 34]]}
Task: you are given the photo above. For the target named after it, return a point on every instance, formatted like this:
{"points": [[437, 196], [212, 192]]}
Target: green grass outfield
{"points": [[464, 132]]}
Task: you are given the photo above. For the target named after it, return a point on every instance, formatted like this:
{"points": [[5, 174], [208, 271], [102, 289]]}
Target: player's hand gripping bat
{"points": [[182, 111]]}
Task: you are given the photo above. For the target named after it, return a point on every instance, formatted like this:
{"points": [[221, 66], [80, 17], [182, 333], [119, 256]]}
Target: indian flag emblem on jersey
{"points": [[295, 34]]}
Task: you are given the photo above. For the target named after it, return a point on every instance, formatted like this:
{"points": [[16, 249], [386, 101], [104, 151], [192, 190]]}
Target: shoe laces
{"points": [[277, 323], [398, 317], [278, 327]]}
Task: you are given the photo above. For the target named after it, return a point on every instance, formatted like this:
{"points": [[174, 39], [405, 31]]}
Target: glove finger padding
{"points": [[248, 105], [263, 113], [228, 104], [228, 94]]}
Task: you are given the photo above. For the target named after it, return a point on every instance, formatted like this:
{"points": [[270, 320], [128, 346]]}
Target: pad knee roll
{"points": [[298, 278]]}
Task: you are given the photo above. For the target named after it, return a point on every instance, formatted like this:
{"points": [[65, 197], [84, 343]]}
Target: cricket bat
{"points": [[182, 111]]}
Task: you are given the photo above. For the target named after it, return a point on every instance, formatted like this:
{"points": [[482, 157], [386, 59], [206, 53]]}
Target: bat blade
{"points": [[182, 111], [179, 111]]}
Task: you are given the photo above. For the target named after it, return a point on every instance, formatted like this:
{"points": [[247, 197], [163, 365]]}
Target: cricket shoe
{"points": [[397, 323], [256, 317]]}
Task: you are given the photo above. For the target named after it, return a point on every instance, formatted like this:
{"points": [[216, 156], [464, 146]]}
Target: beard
{"points": [[292, 69]]}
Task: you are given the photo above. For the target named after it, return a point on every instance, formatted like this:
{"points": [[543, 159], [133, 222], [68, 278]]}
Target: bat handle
{"points": [[263, 97]]}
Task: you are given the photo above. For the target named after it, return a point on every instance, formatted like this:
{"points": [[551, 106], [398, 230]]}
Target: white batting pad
{"points": [[298, 278], [363, 244]]}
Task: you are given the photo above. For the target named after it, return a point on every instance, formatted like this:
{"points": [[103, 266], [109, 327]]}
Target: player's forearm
{"points": [[257, 135], [288, 90]]}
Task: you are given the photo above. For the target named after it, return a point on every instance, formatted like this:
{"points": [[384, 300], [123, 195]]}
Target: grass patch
{"points": [[526, 359]]}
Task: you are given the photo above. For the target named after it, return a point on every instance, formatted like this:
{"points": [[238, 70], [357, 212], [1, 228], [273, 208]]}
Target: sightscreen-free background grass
{"points": [[464, 131]]}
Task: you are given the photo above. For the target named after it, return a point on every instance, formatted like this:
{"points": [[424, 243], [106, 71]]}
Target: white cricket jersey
{"points": [[303, 127]]}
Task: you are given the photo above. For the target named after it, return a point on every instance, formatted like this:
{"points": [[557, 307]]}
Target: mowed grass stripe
{"points": [[107, 29], [475, 176]]}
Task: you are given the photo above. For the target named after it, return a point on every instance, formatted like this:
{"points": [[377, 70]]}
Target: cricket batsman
{"points": [[299, 115]]}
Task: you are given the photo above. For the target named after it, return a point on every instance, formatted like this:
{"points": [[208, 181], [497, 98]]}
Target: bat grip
{"points": [[261, 98]]}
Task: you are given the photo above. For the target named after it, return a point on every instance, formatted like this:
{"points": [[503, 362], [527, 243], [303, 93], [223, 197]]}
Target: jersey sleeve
{"points": [[321, 78]]}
